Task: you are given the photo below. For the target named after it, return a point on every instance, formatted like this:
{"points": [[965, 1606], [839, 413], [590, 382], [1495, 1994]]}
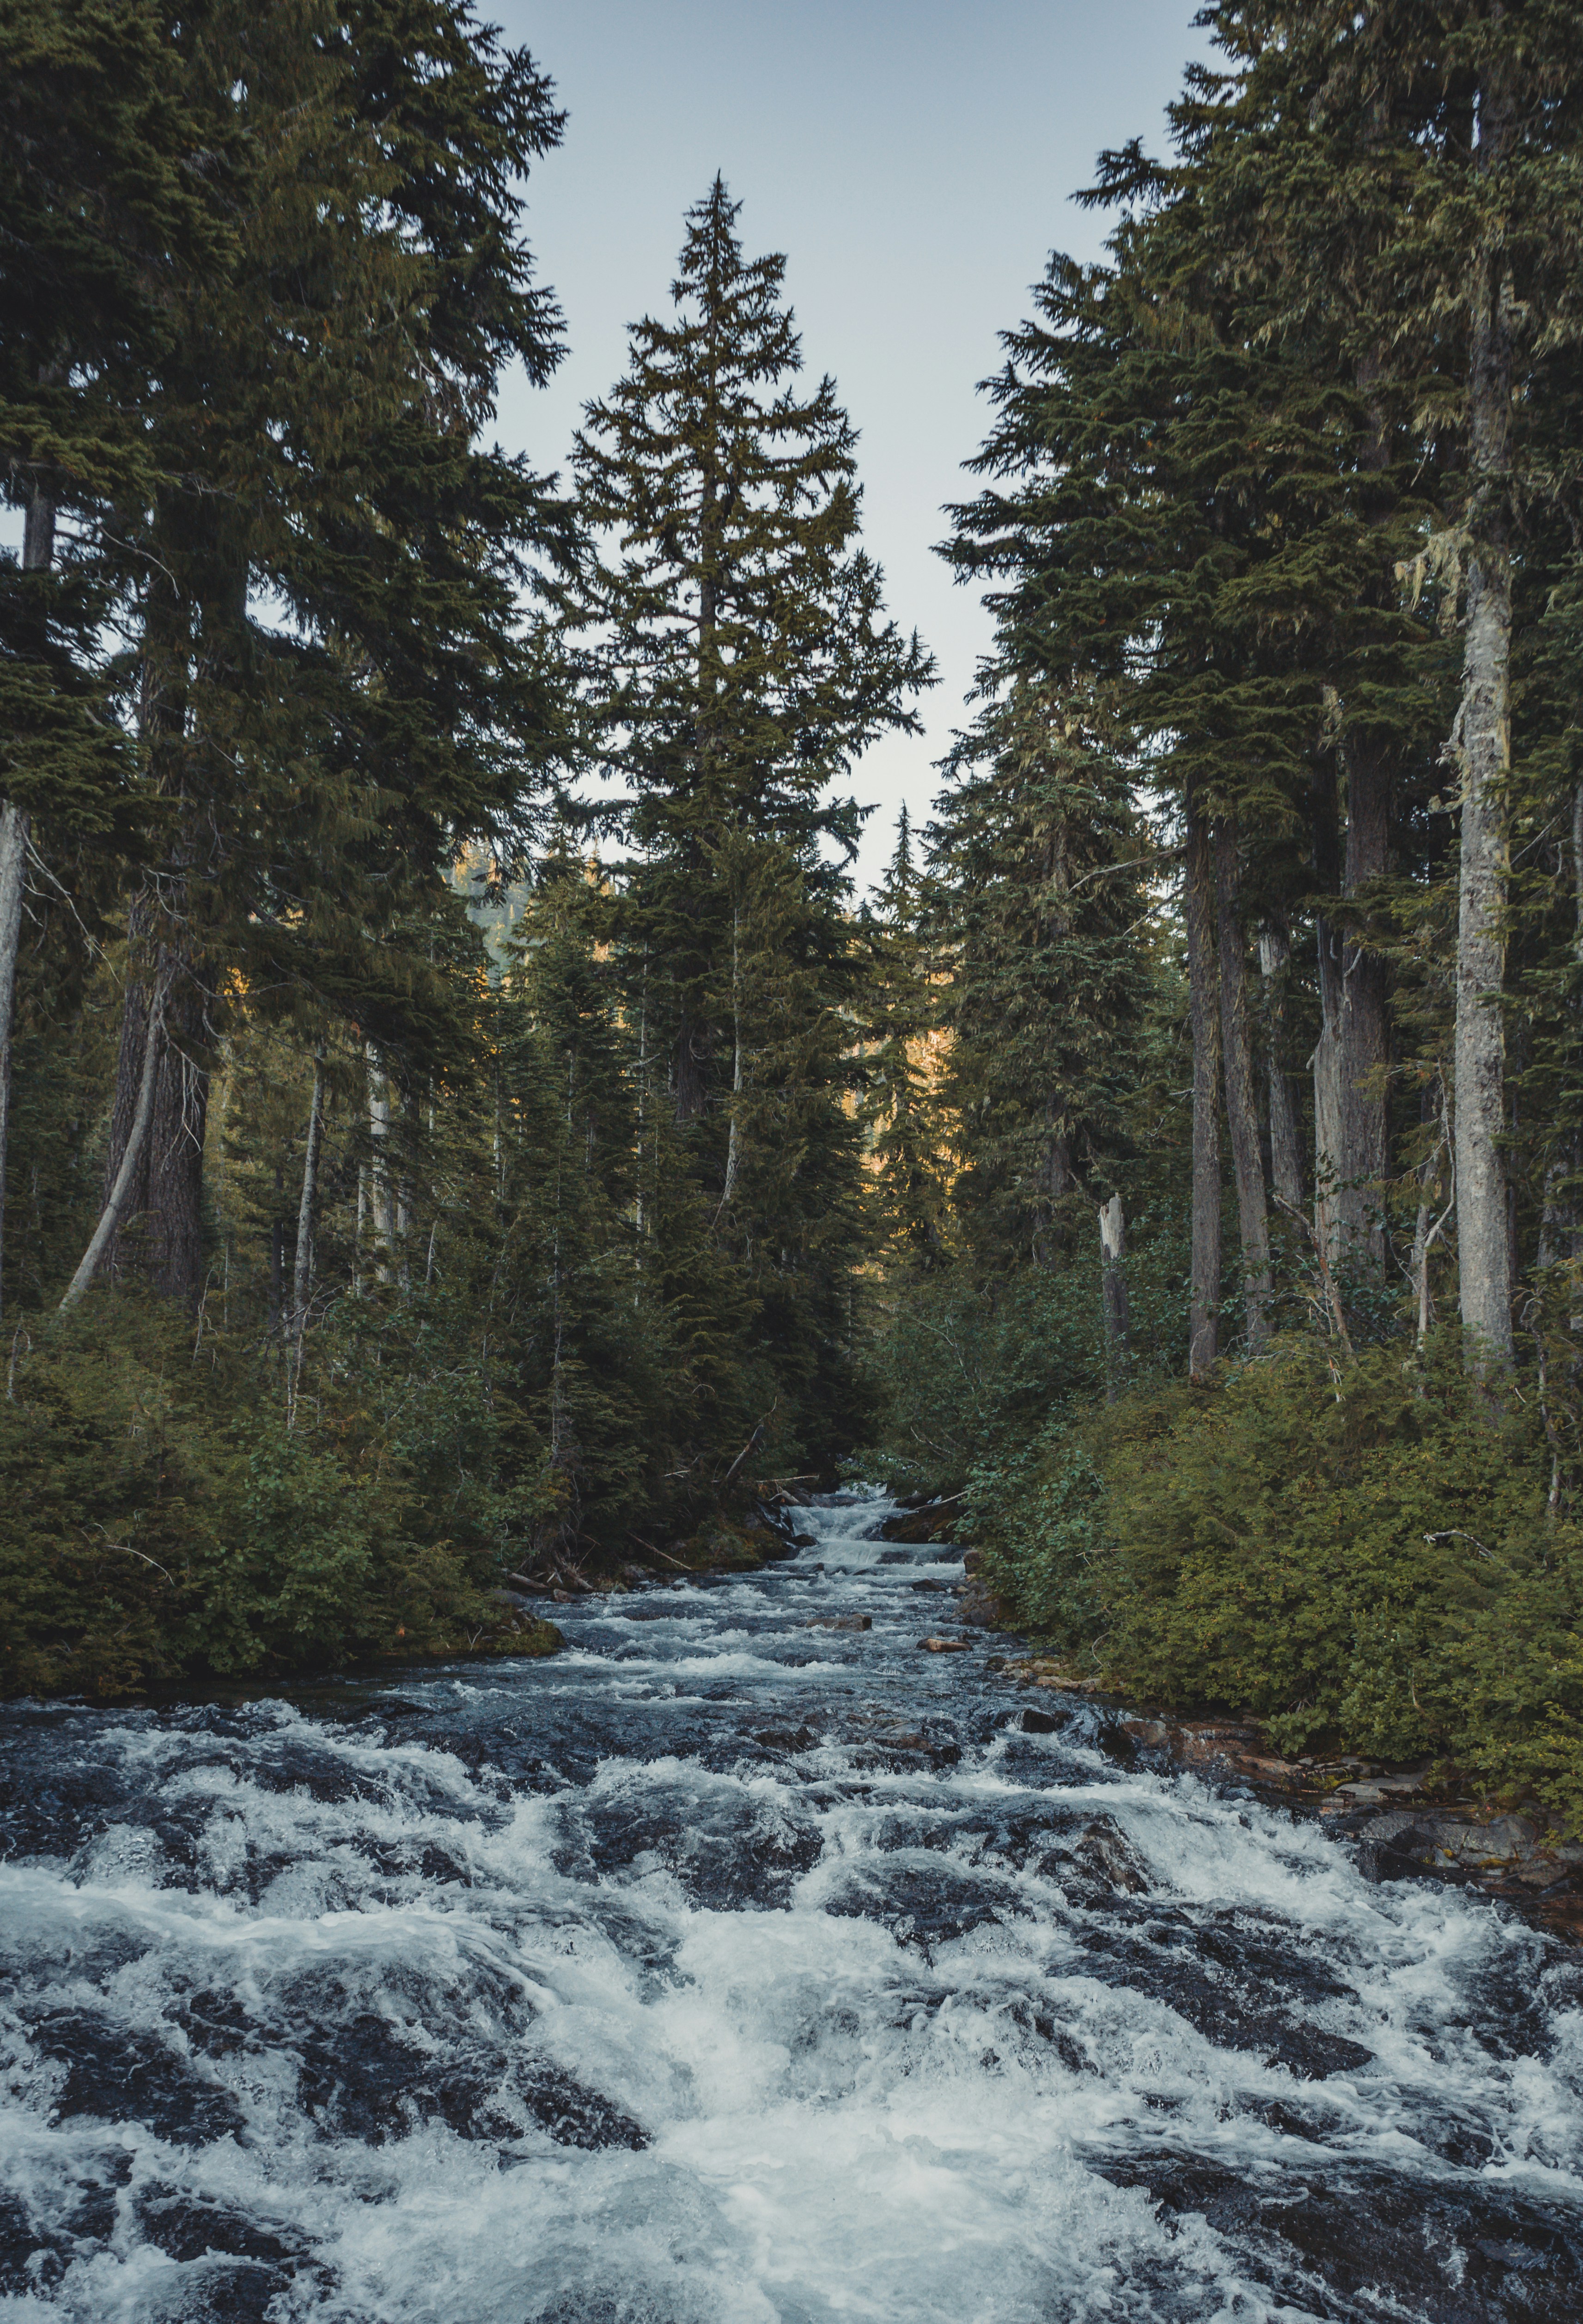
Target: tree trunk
{"points": [[38, 554], [131, 1159], [1275, 953], [380, 1183], [302, 1257], [1241, 1105], [1118, 1318], [13, 834], [1198, 912], [1351, 1123], [1481, 748], [692, 1044], [166, 1187], [732, 1148]]}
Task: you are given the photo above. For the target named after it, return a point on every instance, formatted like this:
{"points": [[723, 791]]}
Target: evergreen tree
{"points": [[311, 781], [901, 1110], [735, 660], [1039, 916]]}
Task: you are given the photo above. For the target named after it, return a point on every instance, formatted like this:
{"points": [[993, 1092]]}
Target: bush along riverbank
{"points": [[1363, 1565], [162, 1525]]}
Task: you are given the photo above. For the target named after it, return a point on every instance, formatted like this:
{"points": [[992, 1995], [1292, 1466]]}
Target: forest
{"points": [[459, 1120]]}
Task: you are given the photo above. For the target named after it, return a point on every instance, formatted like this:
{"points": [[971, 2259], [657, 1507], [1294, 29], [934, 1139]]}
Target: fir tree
{"points": [[736, 661]]}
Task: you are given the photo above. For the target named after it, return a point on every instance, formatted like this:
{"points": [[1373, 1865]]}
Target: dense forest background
{"points": [[456, 1118]]}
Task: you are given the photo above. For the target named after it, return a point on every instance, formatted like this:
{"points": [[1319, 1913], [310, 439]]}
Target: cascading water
{"points": [[730, 1970]]}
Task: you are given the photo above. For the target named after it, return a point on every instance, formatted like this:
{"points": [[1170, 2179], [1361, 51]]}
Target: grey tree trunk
{"points": [[166, 1188], [1117, 1315], [381, 1184], [1199, 913], [302, 1257], [1241, 1103], [38, 554], [1275, 953], [132, 1158], [1352, 1152], [14, 836], [732, 1149], [1481, 749]]}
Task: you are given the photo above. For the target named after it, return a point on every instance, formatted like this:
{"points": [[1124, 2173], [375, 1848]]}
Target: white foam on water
{"points": [[661, 2029]]}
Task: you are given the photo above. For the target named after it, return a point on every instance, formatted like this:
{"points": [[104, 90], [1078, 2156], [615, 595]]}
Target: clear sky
{"points": [[915, 162]]}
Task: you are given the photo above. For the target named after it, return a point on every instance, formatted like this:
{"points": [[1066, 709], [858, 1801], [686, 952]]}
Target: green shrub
{"points": [[1365, 1559]]}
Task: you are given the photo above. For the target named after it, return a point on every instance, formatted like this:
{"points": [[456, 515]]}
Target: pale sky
{"points": [[915, 163]]}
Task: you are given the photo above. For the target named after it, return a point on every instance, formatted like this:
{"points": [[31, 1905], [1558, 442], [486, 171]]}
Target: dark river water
{"points": [[726, 1969]]}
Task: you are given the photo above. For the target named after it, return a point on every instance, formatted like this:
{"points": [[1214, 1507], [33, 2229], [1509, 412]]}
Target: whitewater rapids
{"points": [[725, 1969]]}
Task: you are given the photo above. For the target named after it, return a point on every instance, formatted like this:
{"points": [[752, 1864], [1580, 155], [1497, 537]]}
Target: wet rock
{"points": [[841, 1622], [933, 1522], [946, 1646], [1109, 1858], [122, 2074]]}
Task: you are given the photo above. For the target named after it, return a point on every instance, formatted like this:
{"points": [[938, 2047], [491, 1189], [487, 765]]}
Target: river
{"points": [[728, 1970]]}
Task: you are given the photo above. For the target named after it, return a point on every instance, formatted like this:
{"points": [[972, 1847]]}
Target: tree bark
{"points": [[381, 1184], [14, 836], [302, 1257], [1481, 749], [166, 1187], [1275, 953], [131, 1159], [1241, 1103], [1198, 912], [1118, 1316], [732, 1148], [1351, 1123], [38, 554], [691, 1046]]}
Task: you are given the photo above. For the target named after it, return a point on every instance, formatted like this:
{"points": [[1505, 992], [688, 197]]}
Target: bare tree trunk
{"points": [[176, 1145], [38, 554], [14, 836], [1241, 1105], [302, 1257], [1198, 912], [731, 1147], [382, 1192], [1481, 749], [1275, 953], [1365, 1027], [1427, 1227], [1117, 1317], [132, 1158], [1351, 1120]]}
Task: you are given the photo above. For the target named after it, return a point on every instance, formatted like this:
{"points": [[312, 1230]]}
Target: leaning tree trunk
{"points": [[1198, 912], [1481, 748], [133, 1156], [38, 552], [166, 1185], [1241, 1103]]}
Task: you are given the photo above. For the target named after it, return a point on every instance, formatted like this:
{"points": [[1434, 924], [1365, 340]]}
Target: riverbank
{"points": [[1413, 1821]]}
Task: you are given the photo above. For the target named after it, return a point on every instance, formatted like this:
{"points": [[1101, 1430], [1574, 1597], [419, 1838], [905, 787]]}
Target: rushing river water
{"points": [[728, 1970]]}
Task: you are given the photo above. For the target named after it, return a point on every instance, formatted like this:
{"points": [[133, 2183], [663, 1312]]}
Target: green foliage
{"points": [[165, 1523], [1366, 1558]]}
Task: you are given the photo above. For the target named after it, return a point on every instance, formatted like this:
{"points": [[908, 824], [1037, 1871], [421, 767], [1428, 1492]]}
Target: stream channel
{"points": [[725, 1969]]}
